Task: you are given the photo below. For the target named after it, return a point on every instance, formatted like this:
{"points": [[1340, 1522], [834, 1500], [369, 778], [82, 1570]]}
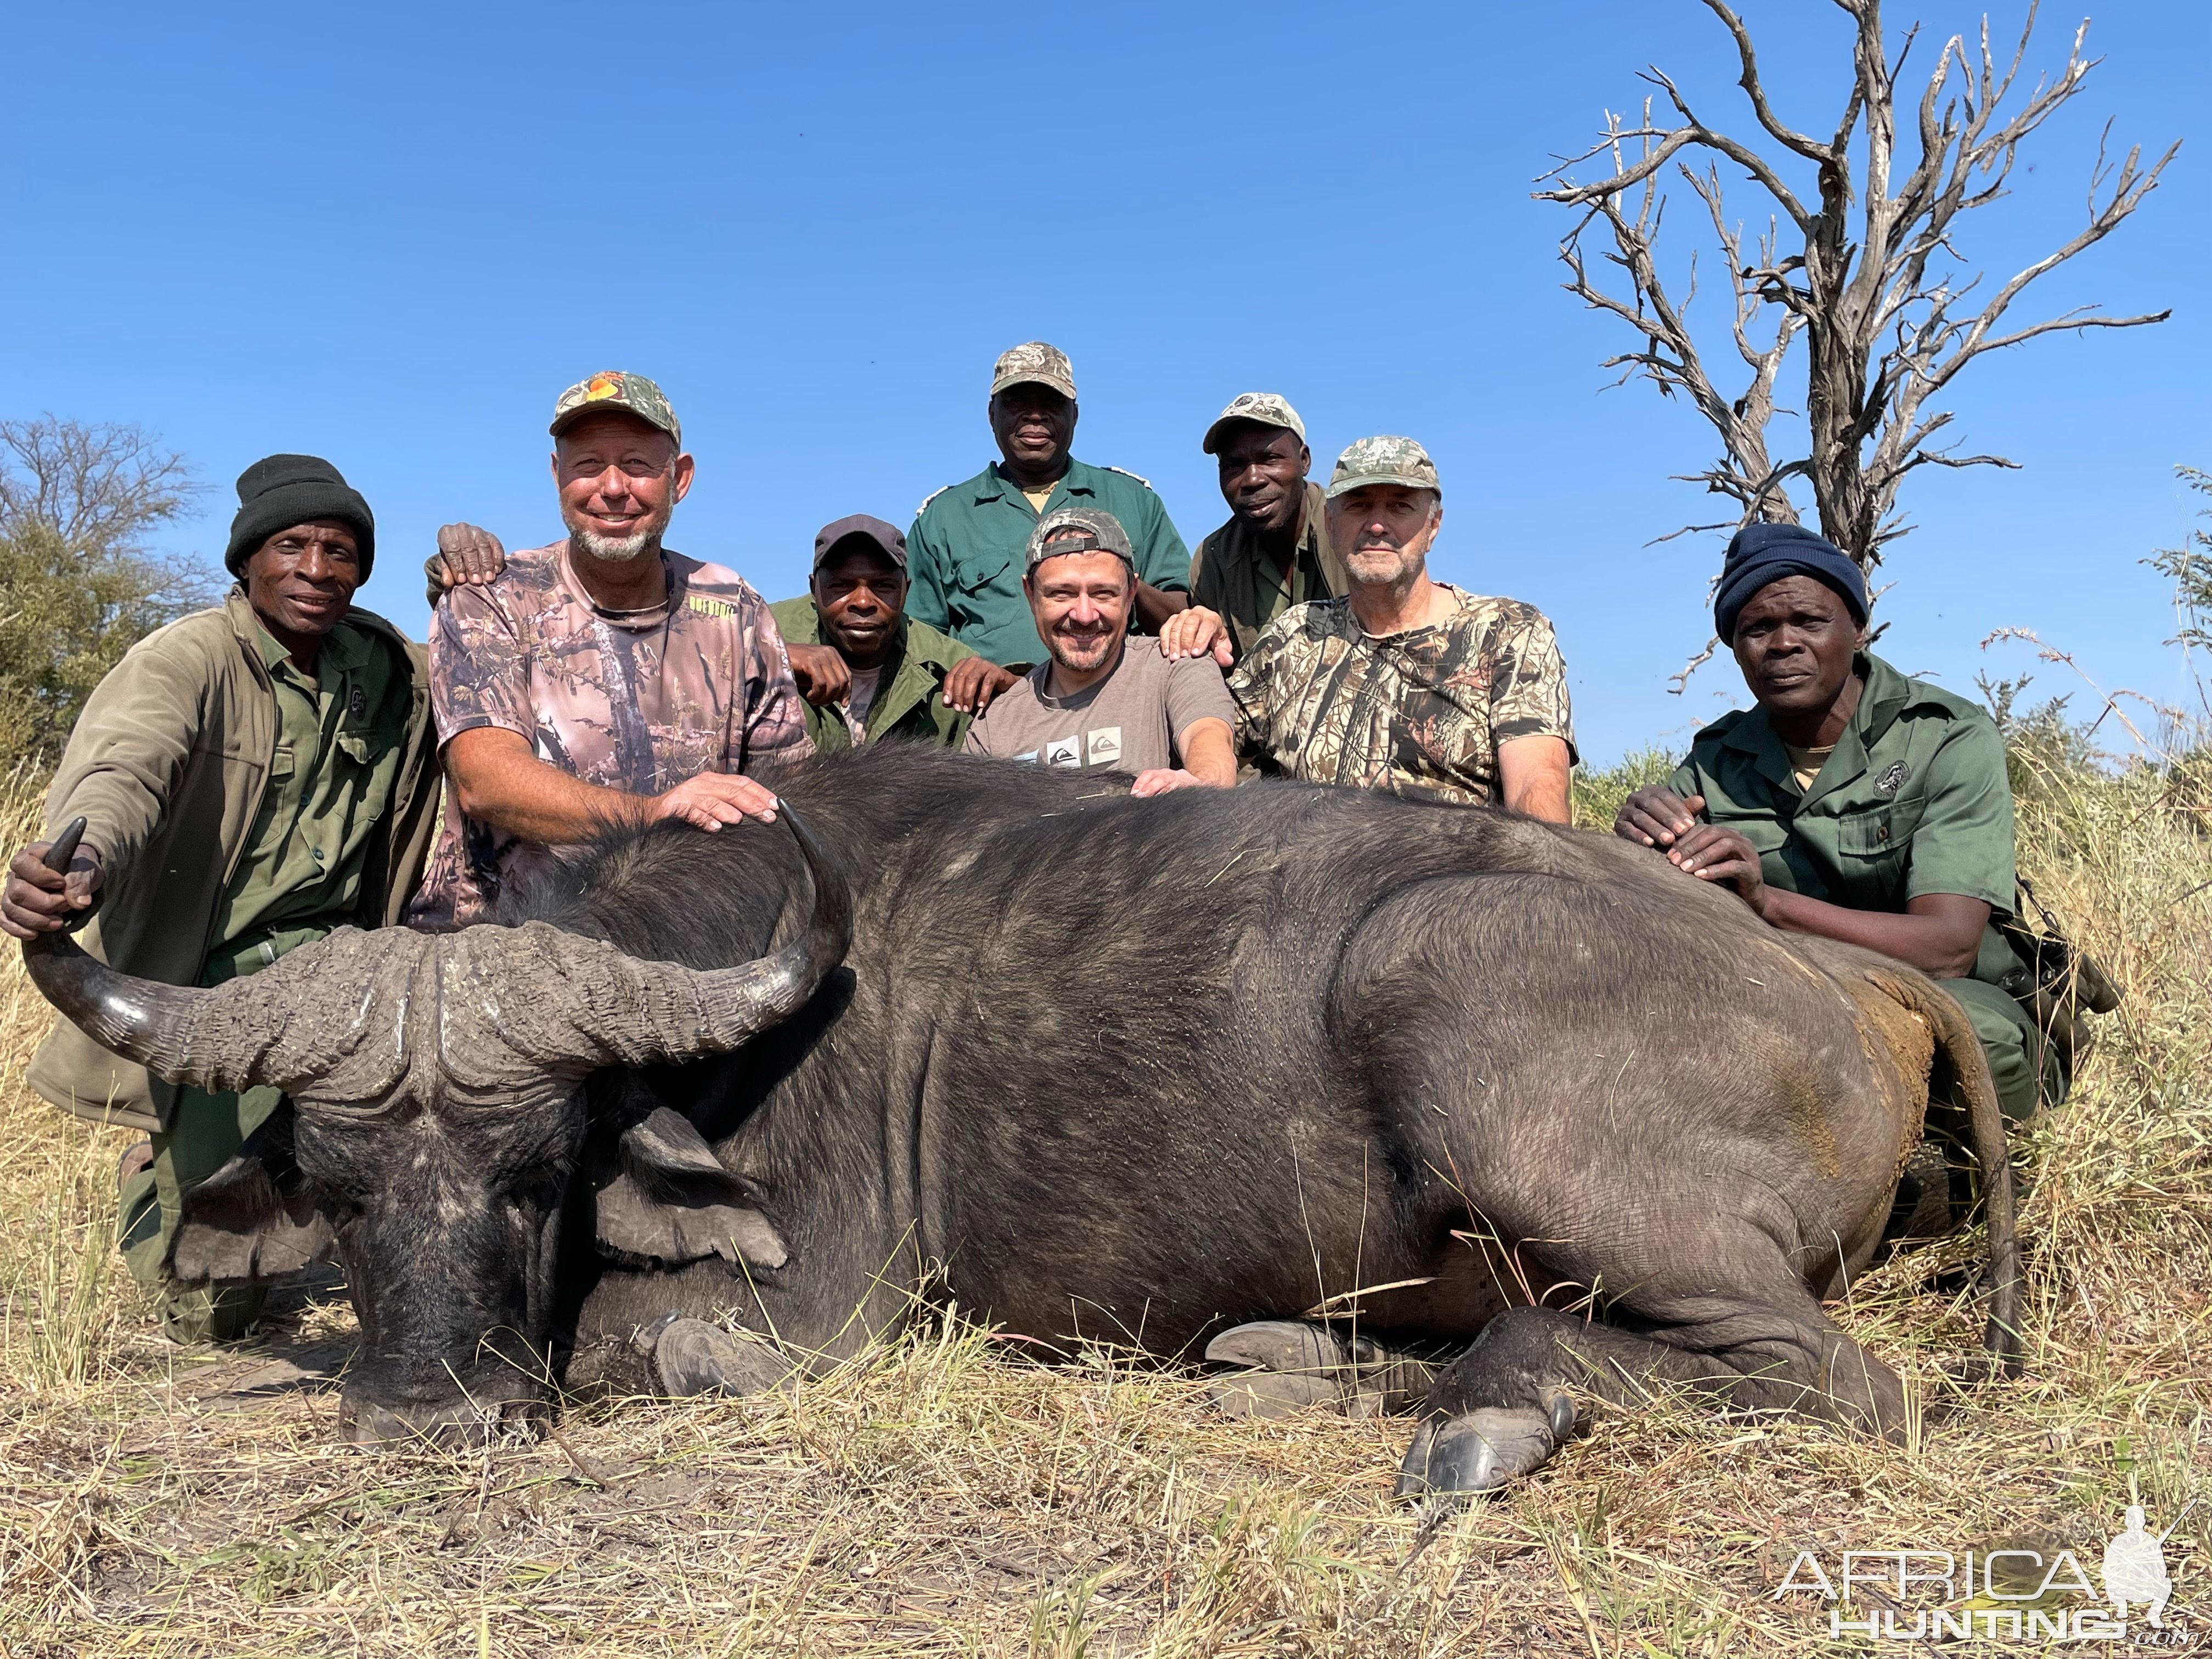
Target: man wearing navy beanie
{"points": [[1765, 553], [1852, 802], [251, 777]]}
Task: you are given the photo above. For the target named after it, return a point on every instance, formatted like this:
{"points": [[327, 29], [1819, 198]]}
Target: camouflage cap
{"points": [[1383, 461], [1047, 364], [615, 390], [1079, 530], [1261, 409]]}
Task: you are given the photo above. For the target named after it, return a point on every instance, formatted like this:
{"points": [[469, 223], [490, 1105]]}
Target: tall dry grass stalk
{"points": [[942, 1496]]}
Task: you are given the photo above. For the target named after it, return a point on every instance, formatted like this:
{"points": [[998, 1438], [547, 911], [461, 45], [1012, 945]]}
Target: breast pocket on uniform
{"points": [[1764, 830], [984, 575], [974, 582], [365, 746], [1873, 834]]}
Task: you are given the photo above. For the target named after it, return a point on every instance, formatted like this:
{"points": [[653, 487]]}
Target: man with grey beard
{"points": [[605, 678], [1404, 683]]}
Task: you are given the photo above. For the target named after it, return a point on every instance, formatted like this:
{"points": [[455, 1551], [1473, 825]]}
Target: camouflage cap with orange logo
{"points": [[633, 393]]}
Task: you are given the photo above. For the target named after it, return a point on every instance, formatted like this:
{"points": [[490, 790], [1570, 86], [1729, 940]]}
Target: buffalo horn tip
{"points": [[63, 845]]}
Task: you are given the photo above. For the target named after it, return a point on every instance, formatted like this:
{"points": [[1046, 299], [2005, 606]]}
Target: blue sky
{"points": [[391, 235]]}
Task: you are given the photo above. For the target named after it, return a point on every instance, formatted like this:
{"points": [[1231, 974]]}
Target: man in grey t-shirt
{"points": [[1105, 703]]}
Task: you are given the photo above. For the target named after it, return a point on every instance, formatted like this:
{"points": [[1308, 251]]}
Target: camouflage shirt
{"points": [[1418, 713], [637, 701]]}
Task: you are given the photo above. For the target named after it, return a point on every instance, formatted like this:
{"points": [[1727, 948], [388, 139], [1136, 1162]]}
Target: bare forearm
{"points": [[1156, 604], [1209, 754], [1544, 797], [514, 791], [1934, 945], [1532, 775]]}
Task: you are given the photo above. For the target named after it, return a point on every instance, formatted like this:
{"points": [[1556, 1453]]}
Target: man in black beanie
{"points": [[1852, 802], [252, 777]]}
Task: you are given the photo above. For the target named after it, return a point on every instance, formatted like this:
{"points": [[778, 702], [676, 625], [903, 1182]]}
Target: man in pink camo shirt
{"points": [[605, 678]]}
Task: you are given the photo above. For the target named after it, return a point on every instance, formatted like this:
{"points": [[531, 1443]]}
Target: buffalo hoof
{"points": [[1453, 1458], [1291, 1366], [691, 1356]]}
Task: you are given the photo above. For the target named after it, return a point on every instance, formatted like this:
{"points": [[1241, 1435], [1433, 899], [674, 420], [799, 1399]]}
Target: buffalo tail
{"points": [[1954, 1035]]}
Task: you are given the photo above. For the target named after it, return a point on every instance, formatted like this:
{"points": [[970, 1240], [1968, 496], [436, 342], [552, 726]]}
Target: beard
{"points": [[1080, 650], [618, 549], [1381, 561]]}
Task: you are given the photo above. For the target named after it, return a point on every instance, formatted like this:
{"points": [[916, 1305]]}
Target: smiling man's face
{"points": [[300, 581], [1263, 476], [1034, 425], [860, 595], [620, 478], [1795, 639]]}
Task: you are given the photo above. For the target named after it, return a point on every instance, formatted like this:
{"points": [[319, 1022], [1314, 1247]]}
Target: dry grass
{"points": [[941, 1497]]}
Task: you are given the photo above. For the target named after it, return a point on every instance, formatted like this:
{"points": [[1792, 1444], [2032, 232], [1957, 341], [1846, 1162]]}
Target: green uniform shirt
{"points": [[1231, 576], [909, 701], [969, 550], [339, 734], [1914, 800]]}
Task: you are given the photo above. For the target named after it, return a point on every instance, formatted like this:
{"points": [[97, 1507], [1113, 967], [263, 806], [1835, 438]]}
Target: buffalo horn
{"points": [[162, 1027], [640, 1012]]}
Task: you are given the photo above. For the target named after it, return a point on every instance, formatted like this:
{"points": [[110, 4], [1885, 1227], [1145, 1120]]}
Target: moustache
{"points": [[1367, 542]]}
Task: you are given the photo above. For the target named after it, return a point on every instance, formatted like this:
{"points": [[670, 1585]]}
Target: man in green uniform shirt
{"points": [[1274, 553], [1852, 802], [253, 777], [970, 543], [867, 670]]}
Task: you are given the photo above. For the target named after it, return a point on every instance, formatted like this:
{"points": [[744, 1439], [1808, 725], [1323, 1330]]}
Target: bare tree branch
{"points": [[1870, 281], [1681, 680], [95, 486], [1810, 148]]}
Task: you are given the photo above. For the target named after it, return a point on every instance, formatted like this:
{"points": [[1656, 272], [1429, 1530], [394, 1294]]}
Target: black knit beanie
{"points": [[278, 492]]}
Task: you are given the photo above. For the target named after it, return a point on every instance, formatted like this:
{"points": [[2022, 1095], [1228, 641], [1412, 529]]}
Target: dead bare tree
{"points": [[1877, 299]]}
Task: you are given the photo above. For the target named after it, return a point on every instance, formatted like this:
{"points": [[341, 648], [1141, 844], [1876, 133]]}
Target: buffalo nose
{"points": [[454, 1425]]}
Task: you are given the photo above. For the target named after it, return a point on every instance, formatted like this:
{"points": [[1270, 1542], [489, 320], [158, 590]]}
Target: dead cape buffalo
{"points": [[1147, 1072]]}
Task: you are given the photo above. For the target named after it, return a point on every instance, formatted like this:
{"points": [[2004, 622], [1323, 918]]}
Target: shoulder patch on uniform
{"points": [[927, 499], [1126, 473]]}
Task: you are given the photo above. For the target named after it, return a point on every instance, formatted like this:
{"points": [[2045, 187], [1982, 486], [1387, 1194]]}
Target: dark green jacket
{"points": [[909, 699], [1232, 578], [1914, 800]]}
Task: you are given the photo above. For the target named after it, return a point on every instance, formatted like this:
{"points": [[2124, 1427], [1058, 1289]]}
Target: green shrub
{"points": [[1598, 793]]}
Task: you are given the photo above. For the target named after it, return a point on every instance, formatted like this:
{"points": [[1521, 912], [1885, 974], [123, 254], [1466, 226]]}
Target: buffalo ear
{"points": [[256, 1217], [674, 1202]]}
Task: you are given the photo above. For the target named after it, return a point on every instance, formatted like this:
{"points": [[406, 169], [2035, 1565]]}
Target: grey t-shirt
{"points": [[1126, 722]]}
